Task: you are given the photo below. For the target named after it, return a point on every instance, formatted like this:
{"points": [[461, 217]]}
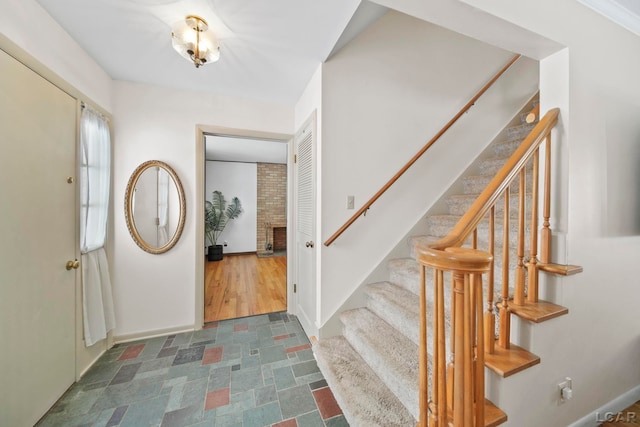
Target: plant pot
{"points": [[215, 253]]}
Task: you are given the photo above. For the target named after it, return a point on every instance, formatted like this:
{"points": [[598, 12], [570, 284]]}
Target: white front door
{"points": [[37, 238], [305, 221]]}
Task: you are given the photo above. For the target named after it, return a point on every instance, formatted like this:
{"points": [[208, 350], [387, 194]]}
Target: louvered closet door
{"points": [[37, 238], [305, 227]]}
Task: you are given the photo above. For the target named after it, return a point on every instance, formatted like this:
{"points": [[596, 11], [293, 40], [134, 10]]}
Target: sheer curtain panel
{"points": [[95, 178]]}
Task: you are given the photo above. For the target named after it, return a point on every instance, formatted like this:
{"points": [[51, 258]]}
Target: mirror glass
{"points": [[155, 207]]}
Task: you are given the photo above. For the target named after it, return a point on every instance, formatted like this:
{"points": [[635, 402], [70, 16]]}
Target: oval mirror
{"points": [[155, 206]]}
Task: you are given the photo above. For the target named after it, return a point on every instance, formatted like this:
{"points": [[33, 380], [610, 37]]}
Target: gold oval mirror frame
{"points": [[140, 212]]}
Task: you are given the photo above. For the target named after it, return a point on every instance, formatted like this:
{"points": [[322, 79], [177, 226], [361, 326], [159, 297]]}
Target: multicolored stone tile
{"points": [[249, 372]]}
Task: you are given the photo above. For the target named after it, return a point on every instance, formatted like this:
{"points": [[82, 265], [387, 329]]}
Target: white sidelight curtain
{"points": [[95, 178]]}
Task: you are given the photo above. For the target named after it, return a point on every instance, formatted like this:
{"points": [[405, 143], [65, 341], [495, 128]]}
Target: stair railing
{"points": [[457, 392], [419, 154]]}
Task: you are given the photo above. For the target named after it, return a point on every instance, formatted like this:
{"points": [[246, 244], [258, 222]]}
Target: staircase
{"points": [[373, 368]]}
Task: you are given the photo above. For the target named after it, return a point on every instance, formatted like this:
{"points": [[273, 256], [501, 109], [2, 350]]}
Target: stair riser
{"points": [[477, 184], [492, 166], [519, 132], [442, 227], [460, 205], [506, 148], [407, 393], [410, 280], [411, 326]]}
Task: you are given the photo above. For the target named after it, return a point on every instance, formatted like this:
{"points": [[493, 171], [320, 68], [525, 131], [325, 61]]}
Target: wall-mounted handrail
{"points": [[419, 154]]}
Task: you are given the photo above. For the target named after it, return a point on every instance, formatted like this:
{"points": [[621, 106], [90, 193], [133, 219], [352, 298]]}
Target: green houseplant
{"points": [[216, 216]]}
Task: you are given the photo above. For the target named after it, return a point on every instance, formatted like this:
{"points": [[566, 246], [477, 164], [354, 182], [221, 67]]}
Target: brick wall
{"points": [[272, 202]]}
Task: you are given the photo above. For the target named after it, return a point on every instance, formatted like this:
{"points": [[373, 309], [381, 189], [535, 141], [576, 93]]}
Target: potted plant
{"points": [[216, 216]]}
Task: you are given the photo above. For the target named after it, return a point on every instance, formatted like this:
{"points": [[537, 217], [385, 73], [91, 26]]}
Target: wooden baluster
{"points": [[518, 294], [532, 295], [450, 367], [467, 352], [545, 250], [504, 339], [423, 367], [479, 362], [489, 316], [439, 393], [474, 239], [460, 339]]}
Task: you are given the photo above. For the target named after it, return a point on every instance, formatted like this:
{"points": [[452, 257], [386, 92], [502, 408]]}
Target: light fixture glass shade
{"points": [[192, 40]]}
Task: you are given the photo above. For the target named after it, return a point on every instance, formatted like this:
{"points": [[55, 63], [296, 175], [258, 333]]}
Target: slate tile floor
{"points": [[249, 372]]}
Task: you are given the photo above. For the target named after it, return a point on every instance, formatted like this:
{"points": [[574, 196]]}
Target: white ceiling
{"points": [[231, 149], [269, 49]]}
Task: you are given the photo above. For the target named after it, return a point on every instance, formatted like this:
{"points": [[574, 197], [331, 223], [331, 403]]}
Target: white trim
{"points": [[152, 334], [616, 12], [201, 130], [620, 403]]}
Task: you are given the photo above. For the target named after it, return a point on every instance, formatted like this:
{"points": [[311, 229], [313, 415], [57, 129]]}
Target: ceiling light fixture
{"points": [[192, 40]]}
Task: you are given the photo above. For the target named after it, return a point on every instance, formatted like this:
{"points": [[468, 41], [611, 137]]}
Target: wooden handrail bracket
{"points": [[419, 154]]}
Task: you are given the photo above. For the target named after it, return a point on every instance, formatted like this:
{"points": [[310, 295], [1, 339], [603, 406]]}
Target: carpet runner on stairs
{"points": [[372, 368]]}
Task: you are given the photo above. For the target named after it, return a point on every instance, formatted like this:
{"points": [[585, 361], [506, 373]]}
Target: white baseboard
{"points": [[613, 409], [152, 334]]}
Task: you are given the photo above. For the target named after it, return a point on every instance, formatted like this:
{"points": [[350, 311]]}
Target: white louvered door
{"points": [[305, 219]]}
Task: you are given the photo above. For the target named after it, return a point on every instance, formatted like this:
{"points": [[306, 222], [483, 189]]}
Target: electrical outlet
{"points": [[225, 244], [350, 202]]}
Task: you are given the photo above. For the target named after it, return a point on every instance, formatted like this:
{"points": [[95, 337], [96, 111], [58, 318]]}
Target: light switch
{"points": [[350, 202]]}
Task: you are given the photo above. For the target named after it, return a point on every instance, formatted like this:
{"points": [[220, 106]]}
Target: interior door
{"points": [[38, 237], [305, 219]]}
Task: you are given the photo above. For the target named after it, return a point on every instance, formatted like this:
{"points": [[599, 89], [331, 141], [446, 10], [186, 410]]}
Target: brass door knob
{"points": [[73, 264], [309, 244]]}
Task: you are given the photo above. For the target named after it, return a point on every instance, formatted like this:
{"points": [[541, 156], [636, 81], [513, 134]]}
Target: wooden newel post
{"points": [[466, 379]]}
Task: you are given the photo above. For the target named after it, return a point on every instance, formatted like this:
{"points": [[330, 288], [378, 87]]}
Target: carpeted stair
{"points": [[372, 368]]}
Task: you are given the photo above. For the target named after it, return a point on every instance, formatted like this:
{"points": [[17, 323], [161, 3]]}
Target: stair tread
{"points": [[391, 354], [398, 307], [356, 387]]}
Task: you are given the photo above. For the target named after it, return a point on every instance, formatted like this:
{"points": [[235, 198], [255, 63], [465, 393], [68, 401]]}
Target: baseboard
{"points": [[611, 409], [152, 334]]}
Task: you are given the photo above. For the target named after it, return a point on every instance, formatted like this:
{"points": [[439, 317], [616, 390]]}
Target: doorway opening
{"points": [[251, 277]]}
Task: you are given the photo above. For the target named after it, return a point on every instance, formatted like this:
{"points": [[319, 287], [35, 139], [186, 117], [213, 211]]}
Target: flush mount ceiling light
{"points": [[192, 40]]}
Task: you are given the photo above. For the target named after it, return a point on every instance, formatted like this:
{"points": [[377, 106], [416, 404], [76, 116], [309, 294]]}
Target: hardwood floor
{"points": [[244, 285]]}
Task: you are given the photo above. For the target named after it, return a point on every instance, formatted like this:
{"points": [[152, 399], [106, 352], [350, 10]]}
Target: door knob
{"points": [[73, 264], [309, 244]]}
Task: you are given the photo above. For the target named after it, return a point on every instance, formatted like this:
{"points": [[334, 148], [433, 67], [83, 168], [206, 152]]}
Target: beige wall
{"points": [[383, 97], [593, 79], [156, 293]]}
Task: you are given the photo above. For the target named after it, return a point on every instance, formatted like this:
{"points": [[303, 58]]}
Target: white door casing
{"points": [[38, 229], [305, 222]]}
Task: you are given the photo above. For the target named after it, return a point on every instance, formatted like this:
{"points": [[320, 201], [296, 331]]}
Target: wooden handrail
{"points": [[488, 198], [419, 154]]}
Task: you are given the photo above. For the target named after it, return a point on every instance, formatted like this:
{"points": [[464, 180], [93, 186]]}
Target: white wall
{"points": [[384, 96], [595, 83], [44, 46], [156, 293], [239, 180], [28, 25]]}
